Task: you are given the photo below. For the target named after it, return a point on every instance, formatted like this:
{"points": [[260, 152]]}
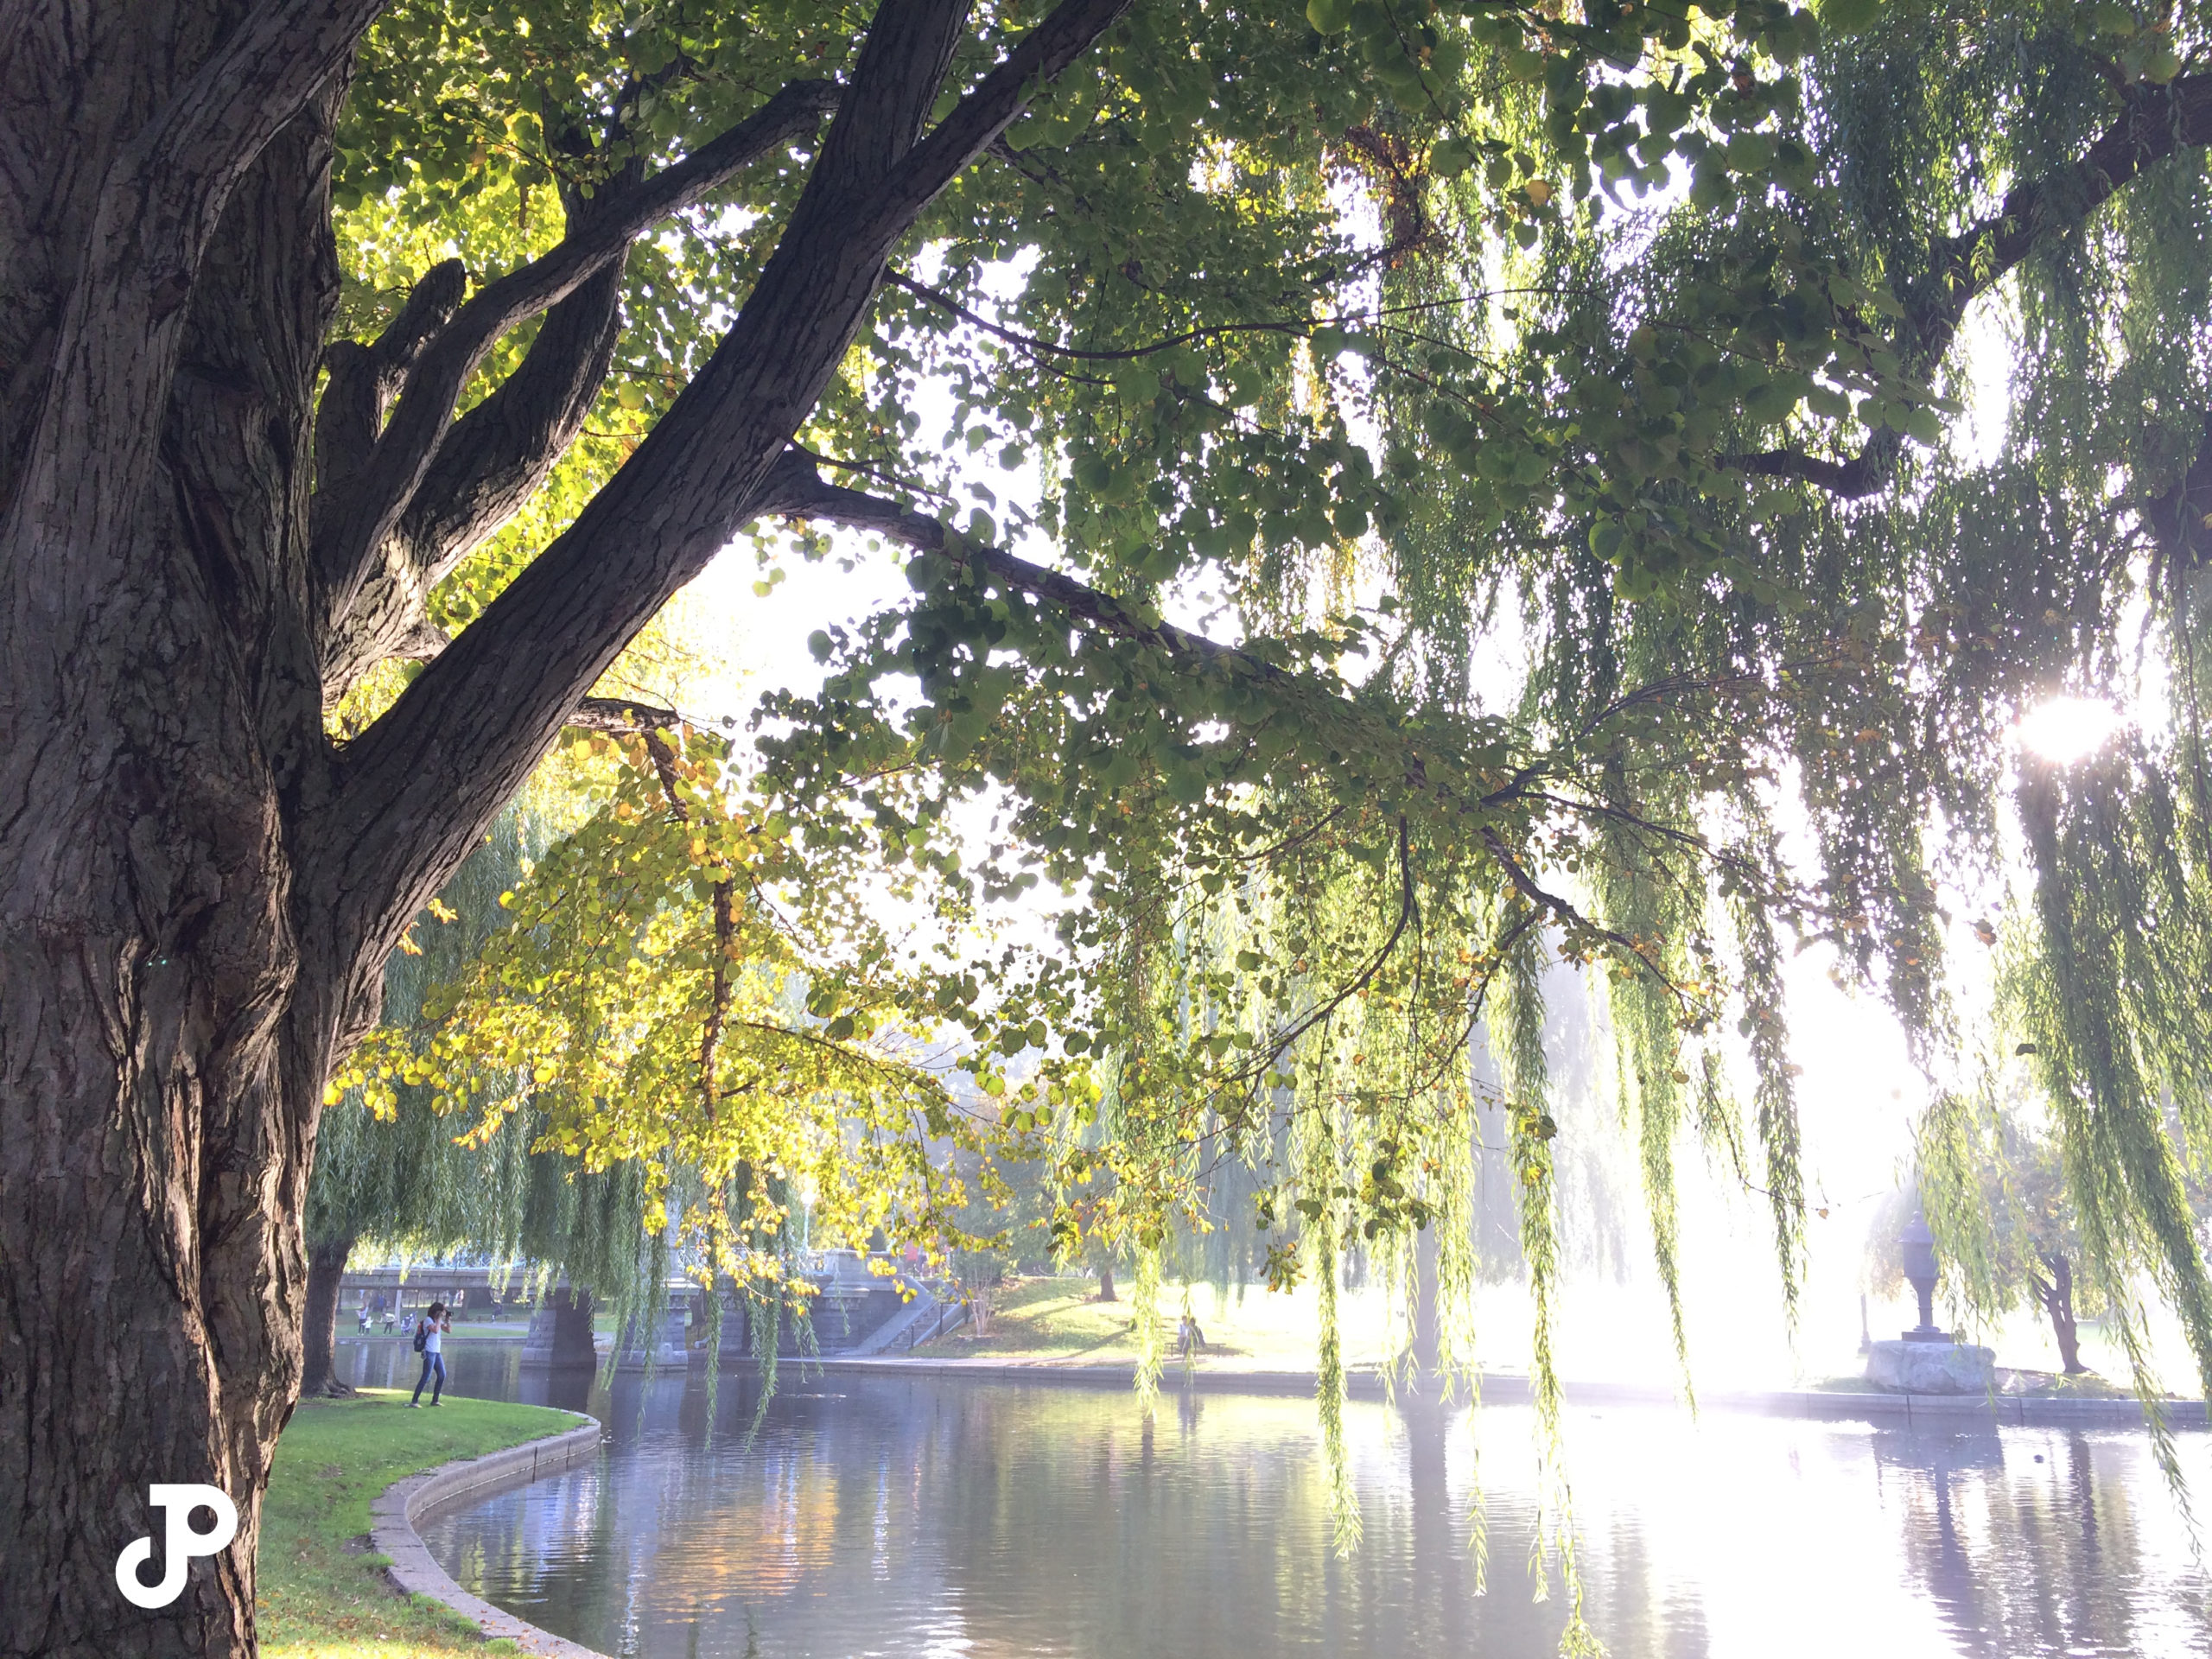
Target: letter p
{"points": [[179, 1542]]}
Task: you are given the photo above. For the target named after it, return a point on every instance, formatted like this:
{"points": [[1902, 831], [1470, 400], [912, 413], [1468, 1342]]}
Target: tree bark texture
{"points": [[161, 1053], [197, 889], [319, 1335]]}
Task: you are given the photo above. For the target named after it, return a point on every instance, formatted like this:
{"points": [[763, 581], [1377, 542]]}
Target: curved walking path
{"points": [[392, 1518]]}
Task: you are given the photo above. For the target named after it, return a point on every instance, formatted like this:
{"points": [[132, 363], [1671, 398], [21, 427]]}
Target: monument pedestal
{"points": [[1920, 1366]]}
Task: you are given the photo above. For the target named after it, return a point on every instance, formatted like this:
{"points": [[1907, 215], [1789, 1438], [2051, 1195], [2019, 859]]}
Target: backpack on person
{"points": [[422, 1334]]}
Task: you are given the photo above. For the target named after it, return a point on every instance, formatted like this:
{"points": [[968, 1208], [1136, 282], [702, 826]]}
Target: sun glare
{"points": [[2067, 730]]}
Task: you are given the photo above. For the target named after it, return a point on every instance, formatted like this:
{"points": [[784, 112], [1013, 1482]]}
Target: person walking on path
{"points": [[430, 1334]]}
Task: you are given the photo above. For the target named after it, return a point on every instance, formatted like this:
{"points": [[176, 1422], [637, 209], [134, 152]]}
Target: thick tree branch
{"points": [[2153, 124], [353, 521], [1864, 473], [796, 490], [420, 784], [488, 465]]}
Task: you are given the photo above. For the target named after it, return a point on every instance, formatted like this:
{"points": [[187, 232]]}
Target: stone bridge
{"points": [[471, 1289], [857, 1308]]}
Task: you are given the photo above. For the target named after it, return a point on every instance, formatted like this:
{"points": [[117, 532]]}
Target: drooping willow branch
{"points": [[2154, 123]]}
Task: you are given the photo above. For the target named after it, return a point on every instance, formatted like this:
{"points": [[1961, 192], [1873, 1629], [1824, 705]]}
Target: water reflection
{"points": [[889, 1516], [2019, 1540]]}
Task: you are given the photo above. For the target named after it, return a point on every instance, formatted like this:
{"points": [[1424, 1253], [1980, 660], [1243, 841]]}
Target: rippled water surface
{"points": [[883, 1515]]}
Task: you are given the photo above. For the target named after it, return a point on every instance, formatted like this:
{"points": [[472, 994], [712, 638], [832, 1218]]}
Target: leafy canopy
{"points": [[1387, 335]]}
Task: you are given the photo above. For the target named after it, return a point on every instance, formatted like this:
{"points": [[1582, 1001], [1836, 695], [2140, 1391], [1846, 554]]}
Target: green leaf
{"points": [[1449, 158], [1848, 17], [1329, 17]]}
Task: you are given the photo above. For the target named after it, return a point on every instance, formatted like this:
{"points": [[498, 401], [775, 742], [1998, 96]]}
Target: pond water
{"points": [[909, 1516]]}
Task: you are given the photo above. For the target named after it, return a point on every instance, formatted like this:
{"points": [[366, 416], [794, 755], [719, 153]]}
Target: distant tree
{"points": [[1992, 1177], [2050, 1241], [407, 1176]]}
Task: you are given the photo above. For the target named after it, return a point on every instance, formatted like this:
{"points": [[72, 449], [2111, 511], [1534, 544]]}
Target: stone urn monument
{"points": [[1925, 1360]]}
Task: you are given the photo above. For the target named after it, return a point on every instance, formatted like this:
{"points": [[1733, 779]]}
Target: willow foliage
{"points": [[1622, 342], [400, 1179]]}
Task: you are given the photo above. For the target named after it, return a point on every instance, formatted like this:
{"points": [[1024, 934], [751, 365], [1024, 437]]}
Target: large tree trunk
{"points": [[319, 1337], [164, 1050]]}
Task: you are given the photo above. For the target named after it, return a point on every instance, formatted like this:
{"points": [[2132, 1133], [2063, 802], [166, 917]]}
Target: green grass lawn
{"points": [[324, 1594], [1051, 1320]]}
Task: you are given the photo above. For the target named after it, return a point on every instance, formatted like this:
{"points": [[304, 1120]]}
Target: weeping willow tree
{"points": [[1902, 599], [1628, 344], [406, 1173], [402, 1178], [1699, 461]]}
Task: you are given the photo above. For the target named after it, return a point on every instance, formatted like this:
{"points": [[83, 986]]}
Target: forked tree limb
{"points": [[419, 784], [353, 521], [490, 461], [363, 379]]}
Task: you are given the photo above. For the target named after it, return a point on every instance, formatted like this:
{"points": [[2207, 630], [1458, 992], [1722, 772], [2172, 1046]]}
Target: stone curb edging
{"points": [[392, 1517], [1508, 1389]]}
